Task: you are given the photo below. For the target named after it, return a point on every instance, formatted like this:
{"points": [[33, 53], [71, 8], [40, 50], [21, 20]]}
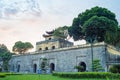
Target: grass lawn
{"points": [[40, 77]]}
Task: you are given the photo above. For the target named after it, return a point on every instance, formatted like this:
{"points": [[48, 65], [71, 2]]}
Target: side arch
{"points": [[18, 68], [34, 68], [52, 67]]}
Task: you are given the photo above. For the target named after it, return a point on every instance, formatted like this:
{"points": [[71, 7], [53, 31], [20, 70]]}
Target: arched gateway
{"points": [[34, 68], [52, 67], [83, 66], [18, 68]]}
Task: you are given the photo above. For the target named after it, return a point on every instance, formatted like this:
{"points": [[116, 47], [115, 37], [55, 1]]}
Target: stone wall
{"points": [[64, 59]]}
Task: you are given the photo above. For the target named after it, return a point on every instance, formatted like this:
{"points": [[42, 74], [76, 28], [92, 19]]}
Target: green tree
{"points": [[96, 11], [97, 24], [3, 49], [117, 38], [97, 66], [61, 32], [100, 29], [22, 47], [75, 30], [5, 56]]}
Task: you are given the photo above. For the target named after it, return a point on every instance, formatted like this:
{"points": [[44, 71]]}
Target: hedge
{"points": [[5, 74], [2, 75], [100, 75]]}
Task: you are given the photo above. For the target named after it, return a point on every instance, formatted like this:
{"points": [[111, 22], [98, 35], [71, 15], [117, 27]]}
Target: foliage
{"points": [[96, 11], [5, 56], [98, 75], [61, 32], [47, 77], [115, 69], [95, 25], [100, 29], [117, 38], [44, 65], [97, 66], [3, 48], [2, 75], [79, 68], [22, 47], [44, 59], [75, 30]]}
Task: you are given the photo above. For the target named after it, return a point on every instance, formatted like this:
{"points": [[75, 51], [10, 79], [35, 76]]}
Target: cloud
{"points": [[10, 11], [16, 8]]}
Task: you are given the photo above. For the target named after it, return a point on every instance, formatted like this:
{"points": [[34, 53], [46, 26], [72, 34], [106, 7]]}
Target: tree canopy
{"points": [[5, 56], [4, 53], [61, 32], [96, 11], [75, 30], [95, 25], [100, 29], [3, 48], [22, 47], [117, 38]]}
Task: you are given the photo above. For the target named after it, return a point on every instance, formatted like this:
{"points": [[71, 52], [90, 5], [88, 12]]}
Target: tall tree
{"points": [[5, 56], [96, 11], [97, 24], [100, 29], [22, 47]]}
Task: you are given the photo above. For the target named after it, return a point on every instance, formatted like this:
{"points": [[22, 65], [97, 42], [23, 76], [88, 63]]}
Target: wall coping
{"points": [[62, 49]]}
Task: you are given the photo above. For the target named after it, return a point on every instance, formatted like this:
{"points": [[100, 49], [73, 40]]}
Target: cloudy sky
{"points": [[27, 20]]}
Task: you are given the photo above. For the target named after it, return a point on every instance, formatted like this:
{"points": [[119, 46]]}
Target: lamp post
{"points": [[92, 56], [91, 41]]}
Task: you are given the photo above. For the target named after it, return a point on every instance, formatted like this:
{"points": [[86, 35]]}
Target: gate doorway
{"points": [[34, 68], [52, 67], [18, 68], [83, 65]]}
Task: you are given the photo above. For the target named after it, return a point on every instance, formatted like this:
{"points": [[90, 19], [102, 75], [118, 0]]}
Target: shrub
{"points": [[7, 74], [97, 66], [79, 68], [100, 75], [2, 75], [115, 69]]}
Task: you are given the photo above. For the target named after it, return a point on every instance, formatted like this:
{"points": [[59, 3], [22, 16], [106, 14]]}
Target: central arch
{"points": [[83, 66], [52, 67], [34, 68]]}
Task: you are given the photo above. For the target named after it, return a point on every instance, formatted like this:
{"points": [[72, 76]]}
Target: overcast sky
{"points": [[27, 20]]}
